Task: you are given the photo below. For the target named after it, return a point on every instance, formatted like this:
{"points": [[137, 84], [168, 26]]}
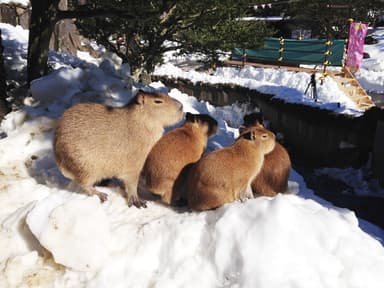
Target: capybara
{"points": [[95, 142], [225, 175], [167, 164], [273, 177]]}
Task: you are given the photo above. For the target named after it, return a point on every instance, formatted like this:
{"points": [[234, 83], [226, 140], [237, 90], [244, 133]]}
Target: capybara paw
{"points": [[137, 202], [102, 196], [243, 199]]}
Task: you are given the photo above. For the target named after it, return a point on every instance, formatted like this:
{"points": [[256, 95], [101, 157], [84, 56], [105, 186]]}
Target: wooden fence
{"points": [[316, 136]]}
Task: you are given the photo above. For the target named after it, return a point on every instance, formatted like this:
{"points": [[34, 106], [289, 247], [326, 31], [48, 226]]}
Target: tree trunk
{"points": [[43, 19], [4, 107]]}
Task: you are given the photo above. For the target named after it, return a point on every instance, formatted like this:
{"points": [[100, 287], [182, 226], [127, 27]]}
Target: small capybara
{"points": [[225, 175], [167, 164], [94, 142], [273, 177]]}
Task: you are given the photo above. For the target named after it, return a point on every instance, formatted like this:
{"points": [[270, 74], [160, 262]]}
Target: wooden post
{"points": [[281, 50], [244, 57], [327, 52]]}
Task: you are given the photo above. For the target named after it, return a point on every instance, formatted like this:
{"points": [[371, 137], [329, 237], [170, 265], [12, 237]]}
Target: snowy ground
{"points": [[53, 236], [290, 86], [371, 74]]}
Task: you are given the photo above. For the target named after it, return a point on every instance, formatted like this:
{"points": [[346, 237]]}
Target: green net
{"points": [[295, 52]]}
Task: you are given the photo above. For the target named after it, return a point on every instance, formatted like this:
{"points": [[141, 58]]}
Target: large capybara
{"points": [[273, 177], [225, 175], [94, 142], [167, 164]]}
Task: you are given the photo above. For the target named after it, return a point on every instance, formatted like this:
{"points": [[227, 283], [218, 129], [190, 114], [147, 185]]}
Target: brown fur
{"points": [[165, 168], [273, 177], [225, 175], [95, 142]]}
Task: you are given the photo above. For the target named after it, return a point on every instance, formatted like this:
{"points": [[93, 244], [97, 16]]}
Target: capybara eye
{"points": [[264, 136], [158, 101]]}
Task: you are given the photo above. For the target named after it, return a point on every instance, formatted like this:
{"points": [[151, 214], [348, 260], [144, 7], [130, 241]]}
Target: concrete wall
{"points": [[378, 152], [315, 136]]}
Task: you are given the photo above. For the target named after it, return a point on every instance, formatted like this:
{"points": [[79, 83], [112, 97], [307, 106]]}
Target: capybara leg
{"points": [[269, 192], [132, 197], [265, 191], [92, 191], [167, 198]]}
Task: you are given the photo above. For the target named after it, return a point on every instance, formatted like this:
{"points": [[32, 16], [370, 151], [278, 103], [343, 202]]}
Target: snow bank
{"points": [[87, 82], [283, 84], [286, 241], [371, 74], [74, 230], [15, 43]]}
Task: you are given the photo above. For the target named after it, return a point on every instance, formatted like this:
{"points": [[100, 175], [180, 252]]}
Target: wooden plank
{"points": [[273, 66]]}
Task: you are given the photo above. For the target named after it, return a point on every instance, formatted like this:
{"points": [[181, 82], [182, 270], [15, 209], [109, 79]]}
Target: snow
{"points": [[15, 42], [73, 228], [53, 235], [371, 74], [24, 3], [355, 178], [283, 84]]}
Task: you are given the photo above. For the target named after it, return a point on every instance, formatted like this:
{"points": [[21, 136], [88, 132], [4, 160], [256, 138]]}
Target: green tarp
{"points": [[295, 52]]}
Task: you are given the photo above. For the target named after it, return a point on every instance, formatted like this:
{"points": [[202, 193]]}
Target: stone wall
{"points": [[314, 136], [378, 152]]}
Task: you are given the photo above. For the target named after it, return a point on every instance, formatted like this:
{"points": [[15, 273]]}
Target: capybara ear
{"points": [[249, 135], [140, 97], [242, 129], [253, 119], [189, 116]]}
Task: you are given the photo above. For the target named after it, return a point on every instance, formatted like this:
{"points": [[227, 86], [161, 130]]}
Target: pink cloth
{"points": [[357, 33]]}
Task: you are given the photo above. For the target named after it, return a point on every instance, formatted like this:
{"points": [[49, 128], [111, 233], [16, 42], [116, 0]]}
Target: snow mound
{"points": [[284, 241], [280, 241], [74, 230]]}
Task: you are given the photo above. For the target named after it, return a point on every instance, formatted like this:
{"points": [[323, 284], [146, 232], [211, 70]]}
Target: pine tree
{"points": [[221, 29], [190, 25], [329, 19]]}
